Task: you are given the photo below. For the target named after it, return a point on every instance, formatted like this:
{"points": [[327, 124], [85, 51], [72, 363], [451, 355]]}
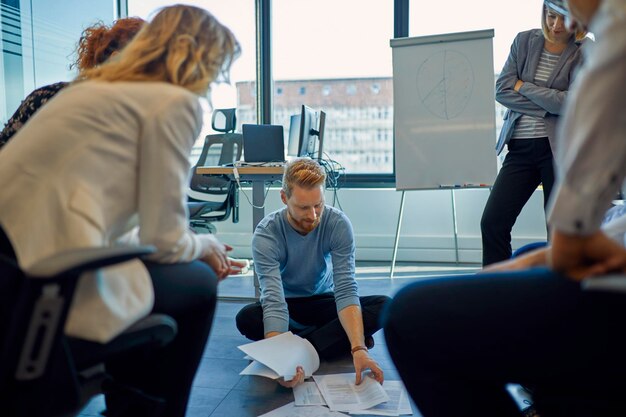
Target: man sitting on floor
{"points": [[304, 257]]}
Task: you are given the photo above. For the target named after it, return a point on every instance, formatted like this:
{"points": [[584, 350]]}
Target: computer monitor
{"points": [[311, 132], [293, 145]]}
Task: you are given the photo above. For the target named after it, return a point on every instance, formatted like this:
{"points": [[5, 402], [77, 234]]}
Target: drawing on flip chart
{"points": [[445, 81]]}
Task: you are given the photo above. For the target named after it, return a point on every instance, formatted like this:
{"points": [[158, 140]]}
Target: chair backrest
{"points": [[38, 371], [219, 149], [33, 359]]}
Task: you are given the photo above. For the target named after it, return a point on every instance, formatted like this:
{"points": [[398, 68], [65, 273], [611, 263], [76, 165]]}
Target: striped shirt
{"points": [[529, 127]]}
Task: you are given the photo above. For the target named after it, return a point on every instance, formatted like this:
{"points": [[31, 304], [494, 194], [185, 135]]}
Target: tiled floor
{"points": [[219, 390]]}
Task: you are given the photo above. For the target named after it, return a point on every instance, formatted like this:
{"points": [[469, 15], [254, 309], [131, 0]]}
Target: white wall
{"points": [[427, 233]]}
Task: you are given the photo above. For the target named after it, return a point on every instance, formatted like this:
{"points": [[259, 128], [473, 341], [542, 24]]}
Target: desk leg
{"points": [[258, 212]]}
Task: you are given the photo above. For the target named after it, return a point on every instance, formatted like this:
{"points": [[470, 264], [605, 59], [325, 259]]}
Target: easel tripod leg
{"points": [[397, 239]]}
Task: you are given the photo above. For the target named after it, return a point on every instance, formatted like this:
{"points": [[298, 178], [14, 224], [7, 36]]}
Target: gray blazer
{"points": [[533, 100]]}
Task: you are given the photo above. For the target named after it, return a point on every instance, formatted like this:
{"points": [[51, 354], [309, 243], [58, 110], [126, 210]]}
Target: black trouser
{"points": [[528, 164], [187, 293], [457, 341], [315, 318]]}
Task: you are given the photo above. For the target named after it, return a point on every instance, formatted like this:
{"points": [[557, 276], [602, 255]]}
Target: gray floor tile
{"points": [[228, 308], [219, 373], [225, 347], [224, 326], [204, 401], [252, 403], [240, 286]]}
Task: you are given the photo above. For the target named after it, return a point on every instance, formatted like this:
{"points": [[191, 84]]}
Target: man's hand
{"points": [[362, 361], [216, 256], [297, 379], [580, 257], [537, 257], [518, 85]]}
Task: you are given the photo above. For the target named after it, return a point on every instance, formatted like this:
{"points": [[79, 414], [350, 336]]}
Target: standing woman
{"points": [[111, 152], [533, 86]]}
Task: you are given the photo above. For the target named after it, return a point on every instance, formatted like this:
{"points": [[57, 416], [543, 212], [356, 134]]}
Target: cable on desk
{"points": [[236, 175], [334, 171]]}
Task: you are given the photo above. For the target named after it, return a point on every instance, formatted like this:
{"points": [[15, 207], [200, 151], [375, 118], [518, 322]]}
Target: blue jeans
{"points": [[457, 341]]}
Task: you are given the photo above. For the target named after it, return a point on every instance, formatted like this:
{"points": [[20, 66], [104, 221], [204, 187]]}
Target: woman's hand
{"points": [[216, 256], [532, 259]]}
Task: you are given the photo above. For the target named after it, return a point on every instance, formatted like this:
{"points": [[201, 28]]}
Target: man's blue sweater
{"points": [[289, 264]]}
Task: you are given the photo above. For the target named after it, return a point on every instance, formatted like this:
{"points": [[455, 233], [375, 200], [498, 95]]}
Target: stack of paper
{"points": [[279, 356]]}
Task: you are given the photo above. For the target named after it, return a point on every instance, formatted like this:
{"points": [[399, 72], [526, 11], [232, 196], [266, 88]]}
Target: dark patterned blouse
{"points": [[29, 106]]}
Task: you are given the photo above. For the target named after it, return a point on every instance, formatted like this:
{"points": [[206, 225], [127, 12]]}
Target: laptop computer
{"points": [[263, 144]]}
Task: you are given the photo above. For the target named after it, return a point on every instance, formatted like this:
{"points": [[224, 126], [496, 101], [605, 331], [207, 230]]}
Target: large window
{"points": [[238, 15], [38, 43], [330, 55], [335, 56], [506, 17]]}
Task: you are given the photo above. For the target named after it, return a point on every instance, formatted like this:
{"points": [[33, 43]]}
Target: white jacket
{"points": [[94, 160]]}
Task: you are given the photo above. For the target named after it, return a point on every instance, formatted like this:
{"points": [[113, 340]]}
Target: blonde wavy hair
{"points": [[183, 45]]}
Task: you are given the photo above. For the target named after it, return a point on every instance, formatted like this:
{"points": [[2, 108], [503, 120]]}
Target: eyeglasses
{"points": [[558, 6]]}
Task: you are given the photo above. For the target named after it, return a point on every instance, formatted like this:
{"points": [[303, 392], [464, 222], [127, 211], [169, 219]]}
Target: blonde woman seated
{"points": [[112, 150]]}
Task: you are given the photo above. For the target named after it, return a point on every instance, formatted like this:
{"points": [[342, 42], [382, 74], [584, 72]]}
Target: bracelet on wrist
{"points": [[357, 348]]}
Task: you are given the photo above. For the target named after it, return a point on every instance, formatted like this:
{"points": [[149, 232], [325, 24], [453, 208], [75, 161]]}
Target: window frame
{"points": [[265, 84]]}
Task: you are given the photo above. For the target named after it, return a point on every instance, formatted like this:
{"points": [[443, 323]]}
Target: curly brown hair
{"points": [[98, 42]]}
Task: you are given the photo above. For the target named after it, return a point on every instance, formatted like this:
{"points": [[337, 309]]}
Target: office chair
{"points": [[213, 198], [43, 372]]}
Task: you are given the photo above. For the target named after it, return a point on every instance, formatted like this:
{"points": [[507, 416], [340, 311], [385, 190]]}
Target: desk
{"points": [[258, 176]]}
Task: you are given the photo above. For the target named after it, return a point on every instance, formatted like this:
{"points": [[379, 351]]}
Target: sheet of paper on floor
{"points": [[342, 394], [307, 393], [398, 404], [283, 353], [291, 410]]}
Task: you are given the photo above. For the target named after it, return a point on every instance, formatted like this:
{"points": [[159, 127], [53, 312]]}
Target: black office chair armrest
{"points": [[78, 260], [153, 331]]}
